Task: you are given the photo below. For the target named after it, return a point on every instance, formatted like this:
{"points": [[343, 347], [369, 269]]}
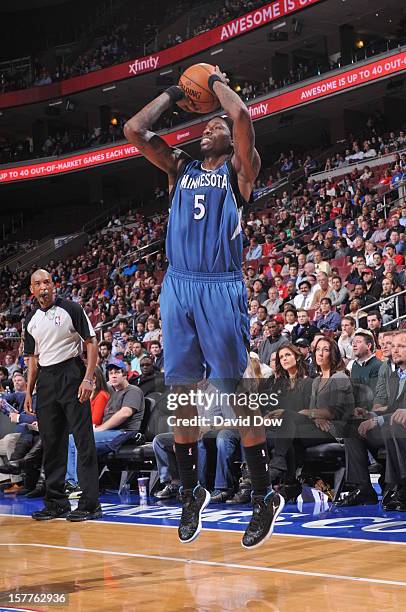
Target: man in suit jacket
{"points": [[395, 421], [303, 328], [386, 428]]}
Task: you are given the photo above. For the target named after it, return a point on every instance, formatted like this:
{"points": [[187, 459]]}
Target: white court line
{"points": [[258, 568], [235, 531]]}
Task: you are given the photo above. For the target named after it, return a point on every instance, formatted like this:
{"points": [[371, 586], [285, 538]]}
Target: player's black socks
{"points": [[258, 466], [186, 457]]}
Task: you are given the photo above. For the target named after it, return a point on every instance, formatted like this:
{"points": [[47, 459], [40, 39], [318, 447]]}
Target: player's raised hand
{"points": [[222, 75]]}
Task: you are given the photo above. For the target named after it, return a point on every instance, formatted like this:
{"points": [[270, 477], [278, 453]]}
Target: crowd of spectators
{"points": [[371, 142]]}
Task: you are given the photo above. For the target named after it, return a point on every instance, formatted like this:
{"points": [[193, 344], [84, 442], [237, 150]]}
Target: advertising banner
{"points": [[305, 94], [221, 34]]}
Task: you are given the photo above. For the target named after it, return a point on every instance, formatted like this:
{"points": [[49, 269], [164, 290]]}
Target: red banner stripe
{"points": [[301, 95]]}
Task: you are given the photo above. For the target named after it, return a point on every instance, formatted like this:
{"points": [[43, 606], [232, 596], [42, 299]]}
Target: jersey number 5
{"points": [[200, 209]]}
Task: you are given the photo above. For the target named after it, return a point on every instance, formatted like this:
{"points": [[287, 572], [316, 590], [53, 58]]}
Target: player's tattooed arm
{"points": [[138, 131], [246, 159]]}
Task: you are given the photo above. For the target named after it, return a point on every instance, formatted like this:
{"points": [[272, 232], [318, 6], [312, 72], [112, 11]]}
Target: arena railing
{"points": [[398, 317], [371, 162]]}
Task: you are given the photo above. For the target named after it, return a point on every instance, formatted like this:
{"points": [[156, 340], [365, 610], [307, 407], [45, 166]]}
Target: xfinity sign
{"points": [[144, 65]]}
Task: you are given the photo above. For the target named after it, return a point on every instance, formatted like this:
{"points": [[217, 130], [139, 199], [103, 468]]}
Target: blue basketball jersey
{"points": [[204, 228]]}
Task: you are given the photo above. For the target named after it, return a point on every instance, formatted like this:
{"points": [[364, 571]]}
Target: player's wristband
{"points": [[212, 79], [175, 93], [88, 381]]}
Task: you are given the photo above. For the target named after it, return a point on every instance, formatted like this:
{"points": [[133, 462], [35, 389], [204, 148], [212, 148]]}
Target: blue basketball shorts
{"points": [[205, 326]]}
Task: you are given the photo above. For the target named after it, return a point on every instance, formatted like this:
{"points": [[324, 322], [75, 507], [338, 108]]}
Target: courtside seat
{"points": [[130, 458], [328, 459]]}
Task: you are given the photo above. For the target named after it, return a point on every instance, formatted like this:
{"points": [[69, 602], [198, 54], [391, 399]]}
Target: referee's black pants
{"points": [[60, 413]]}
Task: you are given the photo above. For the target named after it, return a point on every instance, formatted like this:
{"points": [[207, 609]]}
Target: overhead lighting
{"points": [[237, 88], [217, 51], [114, 121], [109, 88], [55, 103], [279, 25], [359, 44], [166, 72]]}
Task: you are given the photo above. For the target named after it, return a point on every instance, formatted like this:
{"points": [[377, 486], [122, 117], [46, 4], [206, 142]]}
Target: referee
{"points": [[53, 342]]}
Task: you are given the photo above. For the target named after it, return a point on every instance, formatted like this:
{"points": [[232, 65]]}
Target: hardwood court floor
{"points": [[107, 566]]}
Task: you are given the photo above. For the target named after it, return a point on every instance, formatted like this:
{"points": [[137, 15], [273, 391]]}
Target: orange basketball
{"points": [[195, 84]]}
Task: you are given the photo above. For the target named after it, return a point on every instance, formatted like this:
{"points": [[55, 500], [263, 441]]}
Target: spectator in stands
{"points": [[19, 382], [304, 347], [364, 368], [293, 388], [402, 219], [272, 343], [379, 268], [273, 268], [141, 313], [290, 320], [346, 338], [324, 290], [372, 285], [399, 245], [320, 264], [374, 325], [253, 310], [255, 336], [5, 382], [157, 354], [153, 330], [394, 226], [10, 364], [9, 330], [99, 397], [139, 332], [151, 379], [370, 250], [379, 235], [382, 390], [360, 294], [331, 398], [291, 293], [262, 315], [339, 294], [258, 292], [304, 328], [137, 353], [393, 306], [395, 440], [390, 253], [325, 317], [304, 299], [104, 356], [274, 302], [254, 251]]}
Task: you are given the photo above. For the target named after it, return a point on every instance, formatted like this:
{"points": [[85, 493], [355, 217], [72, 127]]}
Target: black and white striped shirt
{"points": [[56, 333]]}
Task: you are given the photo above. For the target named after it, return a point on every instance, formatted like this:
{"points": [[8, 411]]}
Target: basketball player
{"points": [[203, 302]]}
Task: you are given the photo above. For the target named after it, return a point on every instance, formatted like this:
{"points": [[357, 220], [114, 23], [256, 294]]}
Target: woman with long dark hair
{"points": [[293, 388], [99, 397], [332, 399]]}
